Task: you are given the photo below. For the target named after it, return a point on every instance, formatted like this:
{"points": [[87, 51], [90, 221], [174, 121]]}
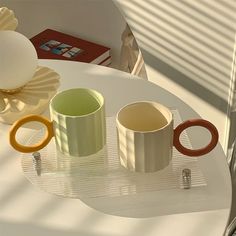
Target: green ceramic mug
{"points": [[78, 123]]}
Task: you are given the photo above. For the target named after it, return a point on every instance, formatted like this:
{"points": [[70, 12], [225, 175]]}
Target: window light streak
{"points": [[186, 37], [204, 45], [183, 67], [174, 51], [130, 149], [95, 71], [191, 73], [192, 45], [194, 56], [36, 82], [192, 24], [209, 12], [61, 135], [195, 38], [232, 87], [159, 15], [128, 189], [227, 4], [228, 12], [126, 141], [201, 18]]}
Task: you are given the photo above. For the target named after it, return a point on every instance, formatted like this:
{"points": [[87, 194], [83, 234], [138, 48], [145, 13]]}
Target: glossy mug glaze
{"points": [[146, 136], [77, 123]]}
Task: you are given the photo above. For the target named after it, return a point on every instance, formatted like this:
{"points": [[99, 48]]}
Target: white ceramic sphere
{"points": [[18, 60]]}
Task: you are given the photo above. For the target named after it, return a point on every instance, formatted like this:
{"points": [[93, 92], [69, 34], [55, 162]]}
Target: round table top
{"points": [[202, 210]]}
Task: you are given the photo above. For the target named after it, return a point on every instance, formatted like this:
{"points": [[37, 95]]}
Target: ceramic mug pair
{"points": [[145, 130]]}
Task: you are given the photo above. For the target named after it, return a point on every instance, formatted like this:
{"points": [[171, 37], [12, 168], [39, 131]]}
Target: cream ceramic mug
{"points": [[77, 122], [146, 136]]}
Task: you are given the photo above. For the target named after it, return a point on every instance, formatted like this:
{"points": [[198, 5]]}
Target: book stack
{"points": [[51, 44]]}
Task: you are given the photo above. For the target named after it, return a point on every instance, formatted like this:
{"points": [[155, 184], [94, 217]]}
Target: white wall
{"points": [[98, 21], [188, 48]]}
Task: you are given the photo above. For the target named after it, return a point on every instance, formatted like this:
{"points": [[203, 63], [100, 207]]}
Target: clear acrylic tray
{"points": [[101, 175]]}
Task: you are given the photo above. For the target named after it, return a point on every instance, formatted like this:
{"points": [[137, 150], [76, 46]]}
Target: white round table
{"points": [[203, 210]]}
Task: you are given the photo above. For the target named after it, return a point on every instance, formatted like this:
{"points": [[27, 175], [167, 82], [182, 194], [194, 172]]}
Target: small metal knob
{"points": [[37, 155], [186, 178], [37, 162]]}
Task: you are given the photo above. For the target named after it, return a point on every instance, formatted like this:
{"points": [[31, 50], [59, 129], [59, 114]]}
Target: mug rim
{"points": [[149, 102], [101, 104]]}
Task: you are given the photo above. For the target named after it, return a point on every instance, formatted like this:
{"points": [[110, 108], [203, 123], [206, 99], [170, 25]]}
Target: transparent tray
{"points": [[101, 175]]}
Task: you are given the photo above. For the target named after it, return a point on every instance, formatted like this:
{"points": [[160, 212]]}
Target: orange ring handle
{"points": [[21, 148], [195, 122]]}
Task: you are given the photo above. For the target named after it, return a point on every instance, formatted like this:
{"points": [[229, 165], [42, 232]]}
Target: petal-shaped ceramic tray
{"points": [[8, 20], [33, 98]]}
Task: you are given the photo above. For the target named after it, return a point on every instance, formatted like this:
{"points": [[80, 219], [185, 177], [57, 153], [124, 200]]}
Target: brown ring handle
{"points": [[21, 148], [195, 122]]}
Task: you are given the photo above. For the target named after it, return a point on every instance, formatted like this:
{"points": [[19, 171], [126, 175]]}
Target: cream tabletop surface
{"points": [[202, 210]]}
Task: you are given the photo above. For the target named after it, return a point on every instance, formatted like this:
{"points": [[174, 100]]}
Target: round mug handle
{"points": [[195, 122], [21, 148]]}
